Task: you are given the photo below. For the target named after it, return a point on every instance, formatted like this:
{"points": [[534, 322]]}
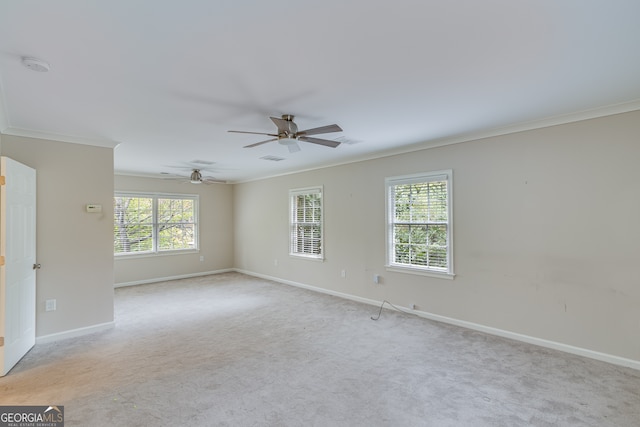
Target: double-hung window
{"points": [[306, 222], [419, 223], [154, 223]]}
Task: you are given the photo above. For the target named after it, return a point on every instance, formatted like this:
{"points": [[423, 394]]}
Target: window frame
{"points": [[155, 250], [293, 236], [424, 177]]}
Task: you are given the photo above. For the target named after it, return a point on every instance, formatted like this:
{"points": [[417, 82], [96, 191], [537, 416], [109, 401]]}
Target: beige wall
{"points": [[216, 233], [74, 247], [546, 233]]}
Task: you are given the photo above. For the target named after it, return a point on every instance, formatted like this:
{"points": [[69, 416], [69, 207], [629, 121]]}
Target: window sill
{"points": [[307, 257], [420, 272], [155, 254]]}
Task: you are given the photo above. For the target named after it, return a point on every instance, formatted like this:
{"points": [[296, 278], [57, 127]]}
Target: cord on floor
{"points": [[387, 302]]}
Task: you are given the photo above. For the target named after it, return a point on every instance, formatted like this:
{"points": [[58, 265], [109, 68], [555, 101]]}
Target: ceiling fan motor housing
{"points": [[292, 128], [196, 177]]}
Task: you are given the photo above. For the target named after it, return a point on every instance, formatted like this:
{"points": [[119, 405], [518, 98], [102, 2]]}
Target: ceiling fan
{"points": [[288, 134], [196, 177]]}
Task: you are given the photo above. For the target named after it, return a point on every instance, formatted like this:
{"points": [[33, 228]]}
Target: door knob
{"points": [[36, 266]]}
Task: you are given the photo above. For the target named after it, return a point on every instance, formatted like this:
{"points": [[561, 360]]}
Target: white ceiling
{"points": [[166, 79]]}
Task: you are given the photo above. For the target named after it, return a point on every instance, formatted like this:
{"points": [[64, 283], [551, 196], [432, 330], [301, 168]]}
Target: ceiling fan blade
{"points": [[212, 180], [185, 179], [201, 169], [322, 129], [172, 176], [284, 126], [293, 148], [260, 143], [325, 142], [252, 133]]}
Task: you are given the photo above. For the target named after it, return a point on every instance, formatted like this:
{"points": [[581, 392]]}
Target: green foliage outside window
{"points": [[420, 224], [176, 224], [152, 224]]}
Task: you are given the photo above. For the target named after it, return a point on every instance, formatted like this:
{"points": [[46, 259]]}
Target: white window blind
{"points": [[419, 222], [306, 222]]}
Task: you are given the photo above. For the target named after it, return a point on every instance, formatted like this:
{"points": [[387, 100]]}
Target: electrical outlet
{"points": [[50, 305], [343, 273], [275, 262], [201, 258]]}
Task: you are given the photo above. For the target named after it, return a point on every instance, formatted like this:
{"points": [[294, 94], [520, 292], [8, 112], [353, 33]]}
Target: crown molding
{"points": [[546, 122], [594, 113], [26, 133]]}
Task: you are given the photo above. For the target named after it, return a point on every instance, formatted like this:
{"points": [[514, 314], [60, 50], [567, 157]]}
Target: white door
{"points": [[18, 274]]}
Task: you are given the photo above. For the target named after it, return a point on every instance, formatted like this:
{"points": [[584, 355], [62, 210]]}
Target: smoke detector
{"points": [[35, 64]]}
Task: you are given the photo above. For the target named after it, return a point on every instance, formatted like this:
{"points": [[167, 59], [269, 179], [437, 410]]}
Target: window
{"points": [[154, 223], [419, 226], [305, 222]]}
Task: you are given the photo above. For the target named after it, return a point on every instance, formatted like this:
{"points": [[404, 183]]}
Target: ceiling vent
{"points": [[202, 162], [272, 158]]}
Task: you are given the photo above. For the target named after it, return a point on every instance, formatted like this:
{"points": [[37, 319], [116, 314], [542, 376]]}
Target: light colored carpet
{"points": [[233, 350]]}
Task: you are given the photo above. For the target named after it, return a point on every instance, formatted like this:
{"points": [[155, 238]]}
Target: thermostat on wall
{"points": [[94, 208]]}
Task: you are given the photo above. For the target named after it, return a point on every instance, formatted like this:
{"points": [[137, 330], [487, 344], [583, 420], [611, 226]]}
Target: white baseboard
{"points": [[604, 357], [74, 333], [164, 279], [109, 325], [311, 288]]}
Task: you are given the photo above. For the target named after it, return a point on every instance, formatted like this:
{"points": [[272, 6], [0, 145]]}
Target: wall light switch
{"points": [[94, 208], [50, 305]]}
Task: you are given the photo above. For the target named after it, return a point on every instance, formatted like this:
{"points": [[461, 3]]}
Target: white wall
{"points": [[546, 233], [75, 248], [216, 233]]}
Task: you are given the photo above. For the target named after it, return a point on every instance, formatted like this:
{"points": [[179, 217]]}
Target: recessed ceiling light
{"points": [[35, 64]]}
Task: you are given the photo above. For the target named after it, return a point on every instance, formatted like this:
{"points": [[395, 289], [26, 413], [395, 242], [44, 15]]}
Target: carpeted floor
{"points": [[233, 350]]}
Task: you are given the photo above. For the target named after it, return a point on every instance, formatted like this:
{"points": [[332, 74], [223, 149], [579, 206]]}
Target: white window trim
{"points": [[447, 175], [305, 191], [155, 252]]}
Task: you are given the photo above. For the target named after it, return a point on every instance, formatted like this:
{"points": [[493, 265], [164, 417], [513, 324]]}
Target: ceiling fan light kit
{"points": [[288, 134], [290, 143]]}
